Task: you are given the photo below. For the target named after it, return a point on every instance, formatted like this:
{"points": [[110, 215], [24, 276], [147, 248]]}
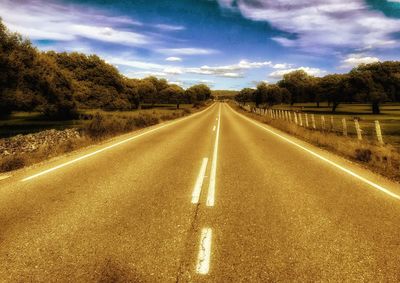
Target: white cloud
{"points": [[353, 60], [231, 75], [109, 34], [232, 71], [169, 27], [173, 59], [322, 24], [51, 21], [143, 74], [179, 83], [311, 71], [281, 66], [187, 51], [228, 71], [173, 70], [134, 63]]}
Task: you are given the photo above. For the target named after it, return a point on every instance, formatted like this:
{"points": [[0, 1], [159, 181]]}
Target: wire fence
{"points": [[351, 126]]}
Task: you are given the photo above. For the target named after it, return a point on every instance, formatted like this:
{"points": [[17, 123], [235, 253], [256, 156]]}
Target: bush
{"points": [[12, 162], [102, 125], [363, 154]]}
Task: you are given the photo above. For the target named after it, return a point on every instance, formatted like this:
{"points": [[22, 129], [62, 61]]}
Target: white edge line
{"points": [[111, 146], [4, 177], [213, 172], [204, 257], [355, 175], [199, 182]]}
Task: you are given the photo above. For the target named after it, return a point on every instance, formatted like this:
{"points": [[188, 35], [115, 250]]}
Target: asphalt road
{"points": [[213, 197]]}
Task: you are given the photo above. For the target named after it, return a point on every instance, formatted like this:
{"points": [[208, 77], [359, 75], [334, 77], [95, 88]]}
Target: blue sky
{"points": [[228, 44]]}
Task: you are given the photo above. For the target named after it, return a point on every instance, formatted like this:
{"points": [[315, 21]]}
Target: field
{"points": [[389, 118], [31, 122]]}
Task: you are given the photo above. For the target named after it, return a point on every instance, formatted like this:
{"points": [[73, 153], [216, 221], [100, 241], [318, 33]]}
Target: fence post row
{"points": [[298, 120]]}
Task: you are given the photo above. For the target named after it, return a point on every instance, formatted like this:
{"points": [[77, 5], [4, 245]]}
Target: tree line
{"points": [[59, 84], [374, 83]]}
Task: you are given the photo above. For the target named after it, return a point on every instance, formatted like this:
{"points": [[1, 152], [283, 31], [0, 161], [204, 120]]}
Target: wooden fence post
{"points": [[378, 132], [290, 116], [344, 127], [306, 120], [301, 120], [323, 122], [358, 129], [332, 125], [313, 121], [295, 117]]}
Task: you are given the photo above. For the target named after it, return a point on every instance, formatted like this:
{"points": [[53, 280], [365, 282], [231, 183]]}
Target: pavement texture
{"points": [[125, 214]]}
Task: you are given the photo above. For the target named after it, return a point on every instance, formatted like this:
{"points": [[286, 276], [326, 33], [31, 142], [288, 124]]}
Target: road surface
{"points": [[213, 197]]}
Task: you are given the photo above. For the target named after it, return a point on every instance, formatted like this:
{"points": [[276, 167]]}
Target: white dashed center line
{"points": [[213, 173], [199, 182], [203, 260]]}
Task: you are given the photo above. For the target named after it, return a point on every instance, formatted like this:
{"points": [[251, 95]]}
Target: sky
{"points": [[227, 44]]}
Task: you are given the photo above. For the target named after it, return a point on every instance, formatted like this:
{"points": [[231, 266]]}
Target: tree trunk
{"points": [[375, 108], [334, 106], [317, 104], [177, 106]]}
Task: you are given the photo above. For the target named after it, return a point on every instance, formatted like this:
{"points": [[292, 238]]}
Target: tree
{"points": [[366, 89], [261, 93], [276, 95], [131, 91], [245, 95], [299, 84], [332, 87], [175, 93], [199, 92], [97, 84], [160, 85], [146, 91]]}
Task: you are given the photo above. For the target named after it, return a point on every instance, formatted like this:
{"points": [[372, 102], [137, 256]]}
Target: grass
{"points": [[384, 160], [95, 126]]}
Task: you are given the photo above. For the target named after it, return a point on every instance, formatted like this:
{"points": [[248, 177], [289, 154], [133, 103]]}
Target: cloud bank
{"points": [[317, 25]]}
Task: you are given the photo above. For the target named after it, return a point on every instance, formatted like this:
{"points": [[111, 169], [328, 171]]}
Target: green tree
{"points": [[199, 92], [175, 94], [245, 95], [146, 91], [299, 84]]}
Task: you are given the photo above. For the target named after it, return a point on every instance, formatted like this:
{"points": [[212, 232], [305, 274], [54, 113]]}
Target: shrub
{"points": [[363, 154], [12, 162]]}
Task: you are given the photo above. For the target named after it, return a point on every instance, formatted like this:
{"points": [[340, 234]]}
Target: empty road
{"points": [[213, 197]]}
